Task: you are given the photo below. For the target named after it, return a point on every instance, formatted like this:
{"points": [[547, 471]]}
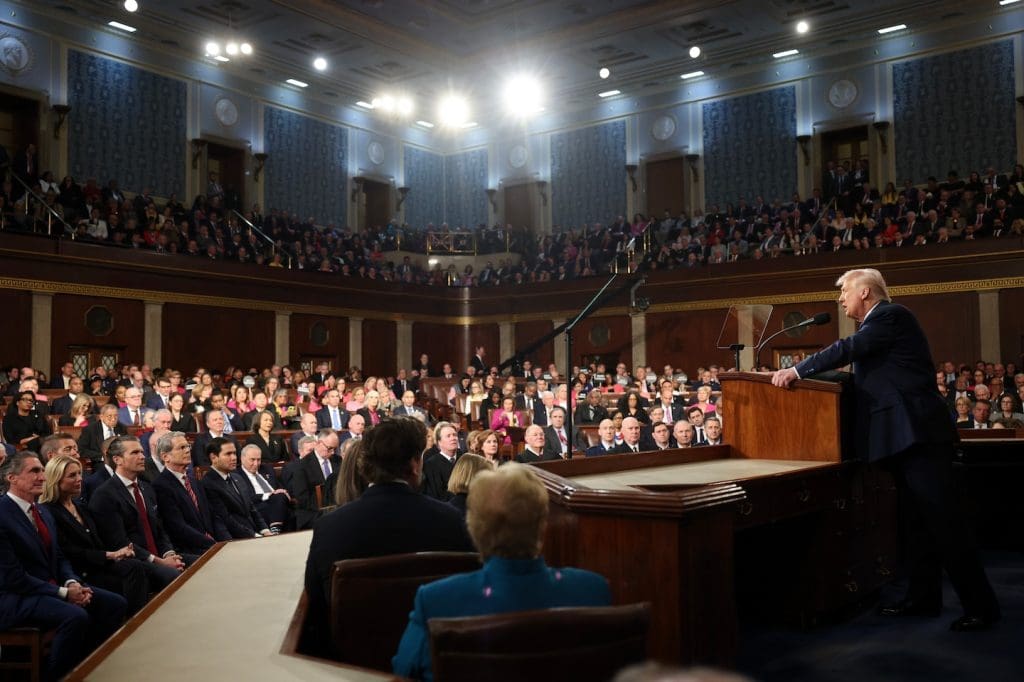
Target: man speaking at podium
{"points": [[903, 423]]}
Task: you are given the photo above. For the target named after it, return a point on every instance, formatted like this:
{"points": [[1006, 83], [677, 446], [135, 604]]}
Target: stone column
{"points": [[403, 344], [42, 323], [282, 337], [355, 342], [638, 335], [506, 339], [559, 347], [988, 326], [153, 333]]}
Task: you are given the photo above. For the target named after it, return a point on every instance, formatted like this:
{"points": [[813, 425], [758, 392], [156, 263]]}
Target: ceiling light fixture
{"points": [[785, 53], [297, 83], [246, 48], [131, 5], [425, 124], [892, 29], [609, 93], [1008, 2], [231, 48], [453, 111], [692, 74], [364, 105], [221, 58], [123, 27], [523, 96], [802, 27], [320, 64], [694, 52], [604, 72], [212, 49]]}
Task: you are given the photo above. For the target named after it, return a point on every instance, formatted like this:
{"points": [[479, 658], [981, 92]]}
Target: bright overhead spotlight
{"points": [[692, 74], [785, 53], [320, 64], [123, 27], [609, 93], [453, 110], [404, 106], [425, 124], [694, 52], [131, 5], [231, 48], [470, 124], [222, 58], [892, 29], [1008, 2], [246, 48], [364, 105], [802, 27], [212, 49], [297, 83], [523, 96], [604, 72]]}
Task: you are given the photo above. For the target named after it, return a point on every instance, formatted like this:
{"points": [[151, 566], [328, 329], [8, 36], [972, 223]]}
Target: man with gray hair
{"points": [[183, 506], [162, 420]]}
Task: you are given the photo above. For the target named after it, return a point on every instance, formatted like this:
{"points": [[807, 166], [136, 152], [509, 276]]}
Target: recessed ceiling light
{"points": [[246, 48], [604, 72], [212, 49], [694, 52], [231, 48], [320, 64], [785, 53], [609, 93], [122, 27], [131, 5], [221, 58], [802, 27], [692, 74], [364, 105], [297, 83], [1008, 2], [891, 29], [425, 124]]}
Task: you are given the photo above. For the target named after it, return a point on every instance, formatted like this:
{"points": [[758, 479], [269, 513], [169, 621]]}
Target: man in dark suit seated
{"points": [[100, 474], [630, 436], [437, 467], [514, 576], [99, 430], [37, 585], [214, 429], [980, 415], [713, 427], [133, 413], [234, 509], [903, 423], [270, 498], [125, 508], [659, 438], [606, 432], [183, 506], [332, 414], [307, 427], [158, 399], [62, 405], [591, 411], [683, 434], [408, 408], [391, 516], [304, 448], [534, 450], [317, 470], [557, 444]]}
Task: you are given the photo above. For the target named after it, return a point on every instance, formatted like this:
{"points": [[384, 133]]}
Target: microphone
{"points": [[820, 318]]}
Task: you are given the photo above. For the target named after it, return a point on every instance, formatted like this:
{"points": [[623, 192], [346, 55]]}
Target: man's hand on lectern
{"points": [[784, 377]]}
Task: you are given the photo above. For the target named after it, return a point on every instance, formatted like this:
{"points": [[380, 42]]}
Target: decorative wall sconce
{"points": [[804, 141], [882, 127], [403, 192], [62, 111], [492, 195], [631, 172], [357, 187], [542, 188], [692, 159], [198, 146], [261, 160]]}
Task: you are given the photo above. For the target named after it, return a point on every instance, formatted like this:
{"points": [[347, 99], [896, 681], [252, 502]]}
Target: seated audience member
{"points": [[683, 434], [100, 473], [350, 483], [269, 497], [506, 417], [371, 411], [125, 509], [1007, 411], [437, 467], [591, 411], [271, 447], [234, 508], [507, 516], [162, 421], [408, 408], [695, 415], [214, 429], [184, 508], [557, 444], [485, 443], [534, 450], [468, 466], [80, 411], [630, 436], [181, 419], [963, 409], [38, 587], [980, 415], [713, 427], [24, 424], [304, 447], [660, 437], [606, 446], [671, 408], [63, 406], [118, 571], [315, 472], [390, 517], [58, 444], [307, 427], [133, 413], [633, 405]]}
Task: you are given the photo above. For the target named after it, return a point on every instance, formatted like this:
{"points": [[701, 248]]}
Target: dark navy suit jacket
{"points": [[191, 530], [501, 586], [898, 404]]}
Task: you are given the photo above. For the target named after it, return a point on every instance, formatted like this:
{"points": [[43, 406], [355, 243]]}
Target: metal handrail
{"points": [[260, 233], [50, 213]]}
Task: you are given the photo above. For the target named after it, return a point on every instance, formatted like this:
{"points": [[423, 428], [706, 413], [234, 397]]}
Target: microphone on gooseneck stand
{"points": [[820, 318]]}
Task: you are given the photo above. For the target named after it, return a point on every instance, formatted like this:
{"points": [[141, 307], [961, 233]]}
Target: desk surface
{"points": [[696, 473], [227, 621]]}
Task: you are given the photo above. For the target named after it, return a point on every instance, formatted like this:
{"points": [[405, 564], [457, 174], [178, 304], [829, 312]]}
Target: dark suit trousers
{"points": [[126, 578], [274, 509], [937, 537], [79, 630]]}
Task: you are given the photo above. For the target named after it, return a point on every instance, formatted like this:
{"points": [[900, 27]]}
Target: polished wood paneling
{"points": [[442, 342], [665, 187], [529, 332], [814, 337], [950, 323], [379, 347], [216, 337], [485, 335], [686, 340], [127, 334], [300, 343], [610, 338], [16, 342], [1011, 326]]}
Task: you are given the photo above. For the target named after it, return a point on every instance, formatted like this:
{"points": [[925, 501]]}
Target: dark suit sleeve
{"points": [[73, 542], [107, 510], [15, 579], [215, 494], [181, 533], [874, 336], [87, 445]]}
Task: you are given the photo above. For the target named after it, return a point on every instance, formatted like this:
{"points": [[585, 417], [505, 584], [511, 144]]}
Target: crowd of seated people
{"points": [[846, 212]]}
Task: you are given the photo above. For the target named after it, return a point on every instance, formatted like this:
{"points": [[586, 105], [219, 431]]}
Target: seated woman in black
{"points": [[271, 447], [24, 425]]}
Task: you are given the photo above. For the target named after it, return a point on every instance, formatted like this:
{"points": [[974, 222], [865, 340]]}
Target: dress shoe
{"points": [[907, 608], [973, 623]]}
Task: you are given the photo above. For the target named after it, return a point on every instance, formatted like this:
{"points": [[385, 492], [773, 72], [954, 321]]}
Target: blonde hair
{"points": [[82, 400], [866, 277], [507, 512], [465, 470], [55, 470]]}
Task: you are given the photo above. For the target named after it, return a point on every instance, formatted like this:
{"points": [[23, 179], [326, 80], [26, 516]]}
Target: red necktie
{"points": [[147, 530], [136, 420], [191, 492], [561, 437], [44, 532]]}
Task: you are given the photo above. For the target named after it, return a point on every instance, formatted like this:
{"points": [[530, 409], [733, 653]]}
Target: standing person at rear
{"points": [[903, 423]]}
